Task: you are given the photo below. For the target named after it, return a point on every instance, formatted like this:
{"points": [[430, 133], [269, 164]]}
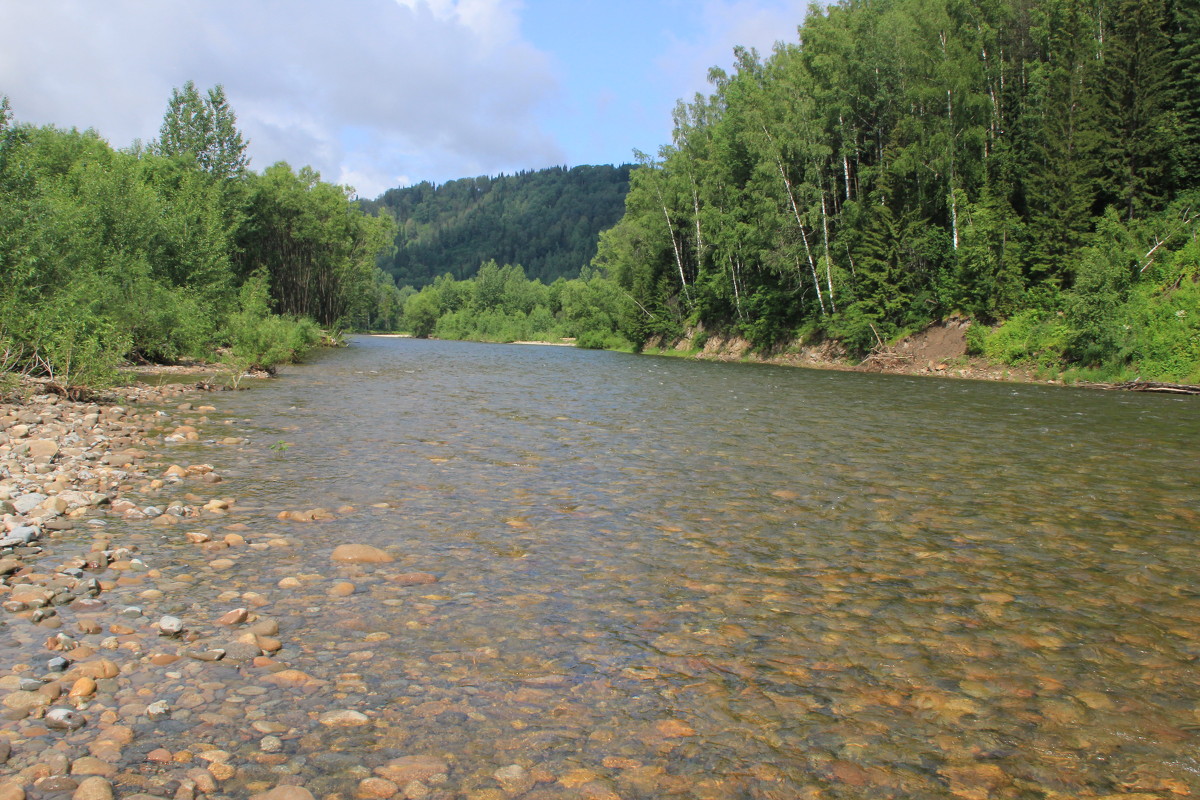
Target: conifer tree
{"points": [[1134, 94]]}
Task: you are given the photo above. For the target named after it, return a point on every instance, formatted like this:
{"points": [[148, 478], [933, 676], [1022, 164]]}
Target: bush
{"points": [[259, 339], [601, 340], [1032, 337], [77, 348]]}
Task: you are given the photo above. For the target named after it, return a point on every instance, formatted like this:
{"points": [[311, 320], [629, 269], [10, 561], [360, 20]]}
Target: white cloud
{"points": [[725, 24], [363, 90]]}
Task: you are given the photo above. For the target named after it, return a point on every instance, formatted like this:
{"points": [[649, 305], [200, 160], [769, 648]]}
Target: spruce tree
{"points": [[1133, 97]]}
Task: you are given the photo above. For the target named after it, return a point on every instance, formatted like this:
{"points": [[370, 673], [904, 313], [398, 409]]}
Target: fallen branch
{"points": [[1152, 386], [1149, 257]]}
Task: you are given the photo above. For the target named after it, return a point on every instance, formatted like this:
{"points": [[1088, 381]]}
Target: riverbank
{"points": [[939, 351], [143, 663], [70, 473]]}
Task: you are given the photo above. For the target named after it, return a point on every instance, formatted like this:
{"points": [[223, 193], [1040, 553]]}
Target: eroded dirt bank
{"points": [[940, 349]]}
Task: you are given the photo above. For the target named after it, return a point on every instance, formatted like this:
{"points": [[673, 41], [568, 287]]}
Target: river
{"points": [[667, 578]]}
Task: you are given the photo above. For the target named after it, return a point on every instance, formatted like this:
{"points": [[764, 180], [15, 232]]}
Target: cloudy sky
{"points": [[383, 93]]}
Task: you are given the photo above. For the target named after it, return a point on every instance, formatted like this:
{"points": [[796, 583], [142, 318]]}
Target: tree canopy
{"points": [[907, 159], [171, 251]]}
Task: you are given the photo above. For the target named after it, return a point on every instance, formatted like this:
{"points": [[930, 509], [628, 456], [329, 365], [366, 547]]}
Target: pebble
{"points": [[83, 687], [90, 765], [344, 718], [93, 788], [285, 793], [235, 617], [514, 779], [360, 554], [64, 719], [376, 789], [406, 769]]}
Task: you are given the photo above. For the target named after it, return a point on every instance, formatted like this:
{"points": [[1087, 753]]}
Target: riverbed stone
{"points": [[285, 793], [90, 765], [414, 579], [234, 617], [93, 788], [288, 677], [64, 719], [405, 769], [344, 718], [28, 502], [513, 779], [360, 554], [376, 789]]}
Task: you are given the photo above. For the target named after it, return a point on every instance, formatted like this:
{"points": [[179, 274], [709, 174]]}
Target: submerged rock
{"points": [[360, 554]]}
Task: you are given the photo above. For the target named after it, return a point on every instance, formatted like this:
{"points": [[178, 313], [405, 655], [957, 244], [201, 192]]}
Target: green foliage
{"points": [[1030, 338], [421, 312], [315, 243], [914, 158], [259, 339], [501, 305], [109, 256], [203, 131]]}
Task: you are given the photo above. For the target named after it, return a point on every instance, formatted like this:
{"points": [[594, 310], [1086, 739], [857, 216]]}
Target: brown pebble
{"points": [[673, 728], [412, 768], [414, 579], [288, 677], [285, 793], [376, 789], [90, 765], [341, 589], [360, 554], [221, 771], [234, 617], [93, 788]]}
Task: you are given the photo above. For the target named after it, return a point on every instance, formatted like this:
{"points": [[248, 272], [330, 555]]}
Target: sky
{"points": [[383, 93]]}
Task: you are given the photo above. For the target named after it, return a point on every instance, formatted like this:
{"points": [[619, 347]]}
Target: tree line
{"points": [[501, 304], [170, 249], [1034, 163]]}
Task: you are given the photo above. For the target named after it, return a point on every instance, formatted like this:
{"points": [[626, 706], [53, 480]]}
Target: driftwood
{"points": [[1151, 386], [882, 356]]}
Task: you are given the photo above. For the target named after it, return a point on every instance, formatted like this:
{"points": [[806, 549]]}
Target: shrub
{"points": [[259, 339]]}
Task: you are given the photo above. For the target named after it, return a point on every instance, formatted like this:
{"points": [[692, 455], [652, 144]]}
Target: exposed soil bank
{"points": [[940, 349]]}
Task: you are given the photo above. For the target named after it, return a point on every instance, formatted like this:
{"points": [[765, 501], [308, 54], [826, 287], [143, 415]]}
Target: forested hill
{"points": [[548, 221]]}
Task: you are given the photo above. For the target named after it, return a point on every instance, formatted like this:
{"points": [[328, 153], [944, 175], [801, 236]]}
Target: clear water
{"points": [[664, 578]]}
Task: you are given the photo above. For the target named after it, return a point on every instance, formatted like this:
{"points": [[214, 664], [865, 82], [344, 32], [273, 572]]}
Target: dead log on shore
{"points": [[1151, 386]]}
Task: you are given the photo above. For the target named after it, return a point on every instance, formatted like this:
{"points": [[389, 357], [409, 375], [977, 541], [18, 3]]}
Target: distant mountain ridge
{"points": [[548, 221]]}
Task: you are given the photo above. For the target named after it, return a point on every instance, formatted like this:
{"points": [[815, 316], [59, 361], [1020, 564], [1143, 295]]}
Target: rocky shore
{"points": [[113, 687], [80, 693]]}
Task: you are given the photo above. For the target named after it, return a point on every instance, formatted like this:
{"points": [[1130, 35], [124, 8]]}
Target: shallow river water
{"points": [[665, 578]]}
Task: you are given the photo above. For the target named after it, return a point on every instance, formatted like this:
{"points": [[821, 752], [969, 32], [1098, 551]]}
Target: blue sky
{"points": [[383, 93]]}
